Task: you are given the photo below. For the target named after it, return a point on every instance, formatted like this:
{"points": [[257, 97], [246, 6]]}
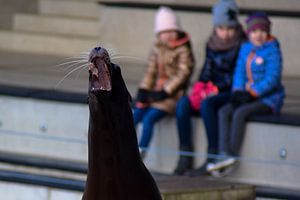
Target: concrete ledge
{"points": [[43, 163], [59, 130], [201, 188], [170, 188], [261, 153]]}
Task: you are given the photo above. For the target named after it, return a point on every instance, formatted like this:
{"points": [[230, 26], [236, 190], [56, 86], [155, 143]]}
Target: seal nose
{"points": [[97, 48]]}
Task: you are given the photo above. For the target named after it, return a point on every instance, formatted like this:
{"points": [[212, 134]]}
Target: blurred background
{"points": [[43, 90]]}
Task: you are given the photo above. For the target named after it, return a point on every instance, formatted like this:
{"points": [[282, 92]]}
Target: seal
{"points": [[115, 168]]}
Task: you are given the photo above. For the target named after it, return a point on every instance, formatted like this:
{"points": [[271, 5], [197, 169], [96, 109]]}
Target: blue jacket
{"points": [[259, 71], [219, 67]]}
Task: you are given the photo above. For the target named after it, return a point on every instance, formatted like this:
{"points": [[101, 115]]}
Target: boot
{"points": [[185, 162], [202, 170]]}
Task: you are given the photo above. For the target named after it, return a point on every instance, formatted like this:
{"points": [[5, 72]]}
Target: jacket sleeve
{"points": [[149, 79], [206, 71], [185, 69], [240, 74], [273, 72]]}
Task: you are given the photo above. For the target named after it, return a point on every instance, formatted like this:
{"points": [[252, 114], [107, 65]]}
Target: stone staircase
{"points": [[62, 28], [58, 30]]}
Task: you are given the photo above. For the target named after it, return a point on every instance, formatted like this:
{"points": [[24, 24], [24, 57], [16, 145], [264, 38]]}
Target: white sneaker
{"points": [[209, 166], [221, 164]]}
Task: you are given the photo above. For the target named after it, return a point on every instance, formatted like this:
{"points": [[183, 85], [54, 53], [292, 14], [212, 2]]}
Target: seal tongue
{"points": [[104, 78], [100, 77]]}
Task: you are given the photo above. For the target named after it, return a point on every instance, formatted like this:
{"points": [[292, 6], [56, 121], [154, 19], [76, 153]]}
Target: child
{"points": [[221, 53], [256, 89], [170, 66]]}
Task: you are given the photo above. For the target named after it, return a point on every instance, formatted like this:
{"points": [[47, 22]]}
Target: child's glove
{"points": [[158, 95], [142, 96], [241, 97]]}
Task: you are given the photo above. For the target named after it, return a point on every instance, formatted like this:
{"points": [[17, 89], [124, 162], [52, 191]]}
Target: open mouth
{"points": [[100, 76]]}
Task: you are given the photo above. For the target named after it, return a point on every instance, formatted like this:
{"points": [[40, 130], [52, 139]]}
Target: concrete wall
{"points": [[129, 31], [44, 128], [285, 5], [59, 130], [260, 161]]}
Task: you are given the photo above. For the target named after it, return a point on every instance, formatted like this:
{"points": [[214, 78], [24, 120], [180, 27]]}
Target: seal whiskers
{"points": [[69, 73]]}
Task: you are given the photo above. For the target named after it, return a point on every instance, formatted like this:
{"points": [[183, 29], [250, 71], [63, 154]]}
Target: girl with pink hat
{"points": [[167, 75]]}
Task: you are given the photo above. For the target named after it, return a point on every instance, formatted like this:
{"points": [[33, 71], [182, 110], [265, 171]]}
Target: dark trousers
{"points": [[209, 110], [232, 122]]}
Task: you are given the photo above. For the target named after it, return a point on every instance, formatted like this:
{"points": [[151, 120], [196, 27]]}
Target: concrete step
{"points": [[45, 43], [73, 8], [186, 188], [45, 71], [56, 25]]}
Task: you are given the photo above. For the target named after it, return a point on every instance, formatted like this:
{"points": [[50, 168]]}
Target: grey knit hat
{"points": [[225, 13]]}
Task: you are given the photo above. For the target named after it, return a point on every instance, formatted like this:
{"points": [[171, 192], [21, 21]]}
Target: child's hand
{"points": [[241, 97], [141, 105], [142, 95], [158, 95]]}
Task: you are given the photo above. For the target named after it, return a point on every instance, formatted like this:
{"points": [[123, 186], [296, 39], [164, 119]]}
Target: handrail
{"points": [[42, 180], [43, 94], [43, 163]]}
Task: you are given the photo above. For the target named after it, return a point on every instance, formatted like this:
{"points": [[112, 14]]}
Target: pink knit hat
{"points": [[165, 20]]}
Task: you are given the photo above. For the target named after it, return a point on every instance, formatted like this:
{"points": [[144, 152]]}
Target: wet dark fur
{"points": [[115, 170]]}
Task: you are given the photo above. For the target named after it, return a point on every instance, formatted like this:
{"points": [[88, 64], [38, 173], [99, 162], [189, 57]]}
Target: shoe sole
{"points": [[221, 165], [226, 172]]}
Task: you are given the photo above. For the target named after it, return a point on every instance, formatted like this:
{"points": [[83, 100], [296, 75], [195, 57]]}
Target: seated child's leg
{"points": [[151, 117], [183, 121], [225, 115], [231, 133], [209, 113], [239, 122], [138, 114]]}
